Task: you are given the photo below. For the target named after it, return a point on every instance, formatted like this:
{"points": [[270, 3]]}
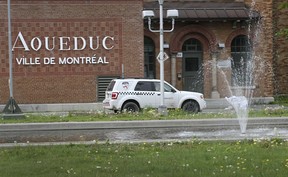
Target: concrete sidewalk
{"points": [[217, 123], [212, 104]]}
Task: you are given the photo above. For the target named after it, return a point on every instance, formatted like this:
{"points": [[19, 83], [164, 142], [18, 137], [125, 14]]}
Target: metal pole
{"points": [[10, 52], [161, 55], [162, 108], [11, 109]]}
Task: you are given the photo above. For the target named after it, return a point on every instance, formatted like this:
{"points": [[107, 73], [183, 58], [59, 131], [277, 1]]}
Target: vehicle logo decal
{"points": [[125, 85]]}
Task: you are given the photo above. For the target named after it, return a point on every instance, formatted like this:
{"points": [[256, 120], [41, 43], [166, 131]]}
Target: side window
{"points": [[167, 88], [145, 86], [110, 86]]}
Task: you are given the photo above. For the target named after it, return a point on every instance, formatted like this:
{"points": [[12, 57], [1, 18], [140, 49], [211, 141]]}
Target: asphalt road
{"points": [[140, 131]]}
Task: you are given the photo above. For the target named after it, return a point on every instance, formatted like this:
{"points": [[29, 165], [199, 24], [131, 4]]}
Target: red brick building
{"points": [[66, 51], [57, 34]]}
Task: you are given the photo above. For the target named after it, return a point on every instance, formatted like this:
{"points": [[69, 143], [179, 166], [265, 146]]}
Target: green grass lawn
{"points": [[147, 114], [150, 114], [175, 159], [250, 158], [281, 100]]}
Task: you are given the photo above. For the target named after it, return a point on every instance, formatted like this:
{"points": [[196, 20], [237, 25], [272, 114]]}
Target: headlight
{"points": [[202, 97]]}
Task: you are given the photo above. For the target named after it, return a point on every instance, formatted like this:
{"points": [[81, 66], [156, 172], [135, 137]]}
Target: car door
{"points": [[145, 91], [170, 98]]}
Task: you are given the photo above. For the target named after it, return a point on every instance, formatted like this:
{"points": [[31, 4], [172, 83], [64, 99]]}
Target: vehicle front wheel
{"points": [[130, 107], [190, 106]]}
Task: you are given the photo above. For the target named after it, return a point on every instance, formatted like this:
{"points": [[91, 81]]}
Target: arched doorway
{"points": [[149, 58], [192, 70]]}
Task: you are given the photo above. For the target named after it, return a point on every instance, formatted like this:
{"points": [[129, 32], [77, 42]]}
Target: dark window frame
{"points": [[241, 61], [149, 58]]}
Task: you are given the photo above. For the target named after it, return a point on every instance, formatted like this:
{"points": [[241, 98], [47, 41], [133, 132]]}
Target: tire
{"points": [[190, 106], [130, 107]]}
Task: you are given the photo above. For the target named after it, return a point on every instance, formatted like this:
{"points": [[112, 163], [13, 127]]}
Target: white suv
{"points": [[135, 94]]}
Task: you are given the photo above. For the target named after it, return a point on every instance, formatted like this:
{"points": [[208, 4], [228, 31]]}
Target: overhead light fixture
{"points": [[147, 14], [172, 13]]}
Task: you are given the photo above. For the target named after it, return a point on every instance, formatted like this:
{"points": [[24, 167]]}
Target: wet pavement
{"points": [[141, 131]]}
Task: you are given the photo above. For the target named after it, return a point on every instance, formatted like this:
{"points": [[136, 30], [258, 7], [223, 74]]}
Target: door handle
{"points": [[159, 94]]}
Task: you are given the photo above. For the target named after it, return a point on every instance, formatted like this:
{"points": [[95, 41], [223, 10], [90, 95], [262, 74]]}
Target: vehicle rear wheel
{"points": [[130, 107], [190, 106]]}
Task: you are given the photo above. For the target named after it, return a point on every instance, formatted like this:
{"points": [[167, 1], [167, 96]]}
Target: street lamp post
{"points": [[162, 109], [10, 49], [11, 110]]}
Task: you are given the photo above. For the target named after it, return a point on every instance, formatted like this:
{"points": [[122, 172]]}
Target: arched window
{"points": [[241, 61], [192, 45], [149, 58]]}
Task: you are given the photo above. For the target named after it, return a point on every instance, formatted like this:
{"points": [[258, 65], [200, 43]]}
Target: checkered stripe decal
{"points": [[137, 93]]}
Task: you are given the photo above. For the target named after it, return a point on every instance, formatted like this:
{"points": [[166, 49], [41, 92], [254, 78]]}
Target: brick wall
{"points": [[121, 19], [69, 82], [280, 53], [213, 32]]}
